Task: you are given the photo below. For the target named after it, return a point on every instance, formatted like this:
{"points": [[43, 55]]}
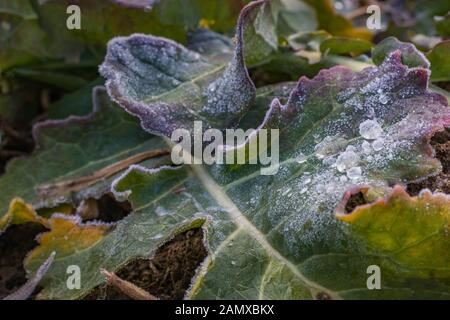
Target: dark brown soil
{"points": [[355, 200], [167, 275], [441, 182], [15, 243]]}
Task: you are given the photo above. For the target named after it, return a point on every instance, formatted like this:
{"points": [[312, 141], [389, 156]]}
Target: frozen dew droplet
{"points": [[301, 158], [160, 211], [346, 160], [383, 99], [320, 155], [370, 129], [366, 148], [329, 188], [329, 145], [343, 179], [212, 87], [233, 263], [378, 144], [321, 148], [329, 161], [354, 173], [303, 190], [370, 112], [320, 188]]}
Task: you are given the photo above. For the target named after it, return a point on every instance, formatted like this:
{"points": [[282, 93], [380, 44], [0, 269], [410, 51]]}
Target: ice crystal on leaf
{"points": [[370, 129]]}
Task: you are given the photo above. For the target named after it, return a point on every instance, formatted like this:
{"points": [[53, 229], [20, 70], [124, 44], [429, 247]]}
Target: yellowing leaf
{"points": [[413, 231], [63, 208], [67, 236], [18, 213]]}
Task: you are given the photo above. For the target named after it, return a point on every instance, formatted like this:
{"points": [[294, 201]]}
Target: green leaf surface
{"points": [[443, 25], [42, 26], [294, 246], [410, 55], [341, 45], [74, 148], [323, 137], [436, 59], [20, 28], [439, 58], [78, 103]]}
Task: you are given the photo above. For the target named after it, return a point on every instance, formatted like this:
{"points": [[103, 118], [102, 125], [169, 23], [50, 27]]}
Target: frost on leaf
{"points": [[338, 131], [410, 55], [375, 122], [19, 213], [169, 86]]}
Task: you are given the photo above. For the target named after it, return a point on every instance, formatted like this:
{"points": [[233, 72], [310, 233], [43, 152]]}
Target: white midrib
{"points": [[244, 224]]}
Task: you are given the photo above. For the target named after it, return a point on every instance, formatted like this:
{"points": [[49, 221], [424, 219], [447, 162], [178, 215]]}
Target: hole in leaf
{"points": [[15, 243], [167, 275], [106, 209], [441, 144], [355, 200]]}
